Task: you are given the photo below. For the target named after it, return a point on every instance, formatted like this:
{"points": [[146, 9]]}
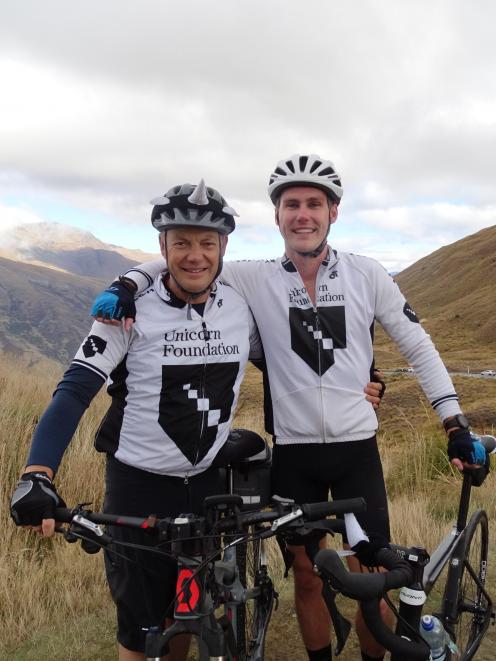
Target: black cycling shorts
{"points": [[143, 588], [307, 473]]}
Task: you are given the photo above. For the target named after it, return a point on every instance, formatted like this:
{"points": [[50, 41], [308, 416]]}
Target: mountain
{"points": [[453, 291], [58, 246], [49, 276], [43, 311], [44, 307]]}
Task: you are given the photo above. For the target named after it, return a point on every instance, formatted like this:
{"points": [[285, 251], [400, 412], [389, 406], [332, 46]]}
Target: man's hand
{"points": [[374, 390], [116, 303], [465, 451], [34, 501]]}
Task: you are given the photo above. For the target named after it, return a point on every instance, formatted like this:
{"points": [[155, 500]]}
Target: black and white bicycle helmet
{"points": [[187, 205], [302, 170]]}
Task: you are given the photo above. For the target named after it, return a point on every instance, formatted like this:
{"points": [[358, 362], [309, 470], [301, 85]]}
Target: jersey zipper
{"points": [[206, 337], [320, 276], [319, 355]]}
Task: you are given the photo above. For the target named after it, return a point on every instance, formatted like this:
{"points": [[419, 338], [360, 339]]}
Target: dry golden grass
{"points": [[43, 582], [53, 598]]}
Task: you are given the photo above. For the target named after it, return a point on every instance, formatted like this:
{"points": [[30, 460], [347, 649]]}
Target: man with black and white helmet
{"points": [[315, 309], [309, 171], [174, 381]]}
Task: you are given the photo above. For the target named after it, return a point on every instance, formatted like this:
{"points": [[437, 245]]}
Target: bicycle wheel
{"points": [[254, 614], [467, 604]]}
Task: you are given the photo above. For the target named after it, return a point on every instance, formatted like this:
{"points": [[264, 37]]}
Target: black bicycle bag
{"points": [[251, 479]]}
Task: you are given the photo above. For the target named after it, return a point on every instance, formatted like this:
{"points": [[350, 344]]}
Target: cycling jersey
{"points": [[319, 357], [174, 381]]}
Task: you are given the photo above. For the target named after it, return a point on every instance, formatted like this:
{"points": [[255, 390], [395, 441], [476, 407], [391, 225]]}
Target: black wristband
{"points": [[129, 284]]}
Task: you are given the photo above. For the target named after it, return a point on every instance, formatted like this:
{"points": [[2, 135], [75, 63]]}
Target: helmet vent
{"points": [[279, 171], [327, 171], [303, 163], [315, 165], [290, 166]]}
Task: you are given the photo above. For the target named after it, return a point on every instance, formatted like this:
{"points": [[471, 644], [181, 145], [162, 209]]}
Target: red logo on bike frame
{"points": [[187, 592]]}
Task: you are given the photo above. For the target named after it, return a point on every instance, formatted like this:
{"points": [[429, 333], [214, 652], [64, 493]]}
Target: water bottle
{"points": [[434, 634]]}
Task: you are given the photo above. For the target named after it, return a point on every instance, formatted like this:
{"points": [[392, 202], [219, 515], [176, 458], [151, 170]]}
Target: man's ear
{"points": [[223, 244], [276, 216], [333, 213]]}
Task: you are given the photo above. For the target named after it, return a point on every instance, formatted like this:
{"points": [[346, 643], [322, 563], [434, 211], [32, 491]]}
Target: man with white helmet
{"points": [[174, 381], [315, 309]]}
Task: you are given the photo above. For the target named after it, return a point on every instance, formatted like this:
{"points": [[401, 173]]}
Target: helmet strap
{"points": [[190, 294]]}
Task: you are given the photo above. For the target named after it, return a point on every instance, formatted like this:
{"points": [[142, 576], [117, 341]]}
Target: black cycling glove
{"points": [[366, 551], [117, 301], [34, 499], [462, 445]]}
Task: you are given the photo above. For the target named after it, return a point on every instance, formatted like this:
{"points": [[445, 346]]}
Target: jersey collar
{"points": [[330, 259]]}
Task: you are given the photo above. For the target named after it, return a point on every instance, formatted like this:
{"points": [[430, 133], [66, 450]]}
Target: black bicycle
{"points": [[465, 609], [208, 576]]}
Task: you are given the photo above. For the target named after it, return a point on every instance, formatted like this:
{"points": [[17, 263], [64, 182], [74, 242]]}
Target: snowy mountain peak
{"points": [[22, 239]]}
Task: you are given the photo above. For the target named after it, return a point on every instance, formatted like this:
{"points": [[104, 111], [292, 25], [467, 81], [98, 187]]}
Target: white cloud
{"points": [[106, 105], [12, 216], [438, 222]]}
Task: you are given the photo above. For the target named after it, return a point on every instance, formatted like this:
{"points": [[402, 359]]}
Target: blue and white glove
{"points": [[465, 446], [116, 302]]}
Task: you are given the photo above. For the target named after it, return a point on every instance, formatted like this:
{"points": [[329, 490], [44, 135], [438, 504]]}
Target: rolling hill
{"points": [[453, 292]]}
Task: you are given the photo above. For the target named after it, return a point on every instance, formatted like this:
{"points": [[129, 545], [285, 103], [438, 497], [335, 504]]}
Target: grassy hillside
{"points": [[53, 600], [453, 292]]}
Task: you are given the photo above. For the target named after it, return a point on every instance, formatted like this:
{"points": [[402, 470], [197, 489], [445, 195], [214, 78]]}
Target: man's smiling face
{"points": [[303, 214], [192, 258]]}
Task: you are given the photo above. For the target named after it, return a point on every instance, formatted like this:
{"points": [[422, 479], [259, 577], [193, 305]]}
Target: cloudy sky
{"points": [[105, 105]]}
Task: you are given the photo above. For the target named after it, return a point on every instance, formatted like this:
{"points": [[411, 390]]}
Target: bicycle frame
{"points": [[199, 592], [446, 548], [195, 607], [193, 613], [428, 571]]}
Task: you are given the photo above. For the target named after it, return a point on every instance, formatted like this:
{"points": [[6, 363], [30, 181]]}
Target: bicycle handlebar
{"points": [[369, 589], [316, 511], [285, 512], [67, 515], [363, 587], [402, 648]]}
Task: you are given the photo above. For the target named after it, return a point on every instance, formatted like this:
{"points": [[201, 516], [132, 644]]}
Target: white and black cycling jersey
{"points": [[319, 357], [174, 379]]}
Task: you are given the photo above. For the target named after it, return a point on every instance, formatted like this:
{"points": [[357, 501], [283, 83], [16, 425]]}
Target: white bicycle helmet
{"points": [[187, 205], [302, 170]]}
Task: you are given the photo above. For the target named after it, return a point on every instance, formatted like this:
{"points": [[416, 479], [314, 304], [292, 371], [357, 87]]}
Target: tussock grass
{"points": [[54, 602], [43, 582]]}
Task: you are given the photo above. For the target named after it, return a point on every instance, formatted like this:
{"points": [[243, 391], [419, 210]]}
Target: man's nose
{"points": [[302, 213], [194, 254]]}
